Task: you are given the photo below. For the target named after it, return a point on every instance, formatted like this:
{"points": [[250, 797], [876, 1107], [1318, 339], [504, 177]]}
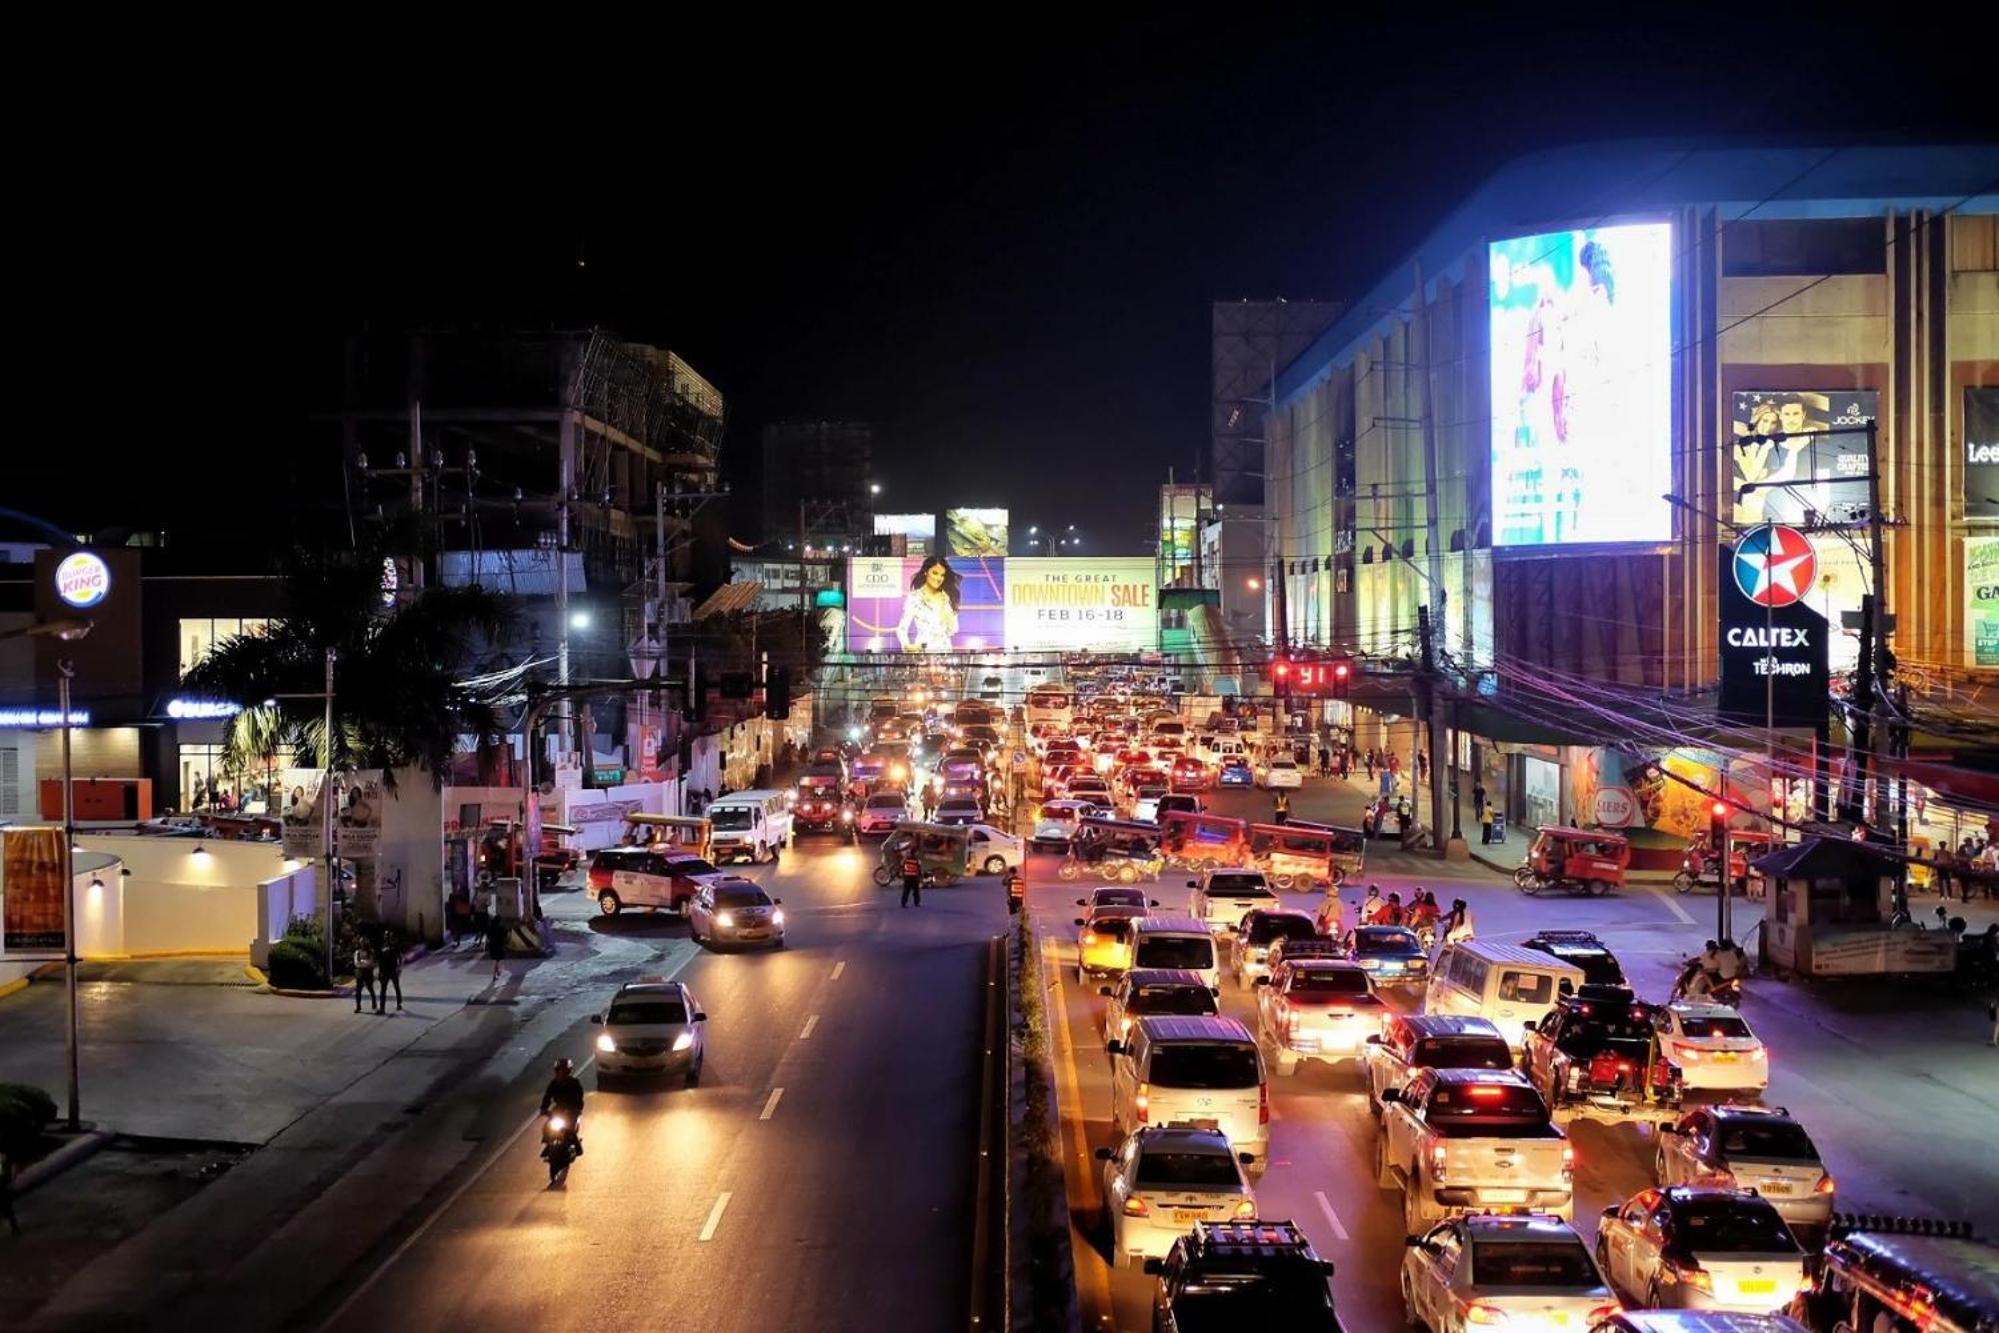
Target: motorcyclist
{"points": [[1457, 925], [1372, 906], [1393, 915], [1424, 911], [565, 1093]]}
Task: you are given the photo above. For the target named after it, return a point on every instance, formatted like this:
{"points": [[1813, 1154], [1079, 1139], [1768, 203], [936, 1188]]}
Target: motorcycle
{"points": [[559, 1145], [1724, 991]]}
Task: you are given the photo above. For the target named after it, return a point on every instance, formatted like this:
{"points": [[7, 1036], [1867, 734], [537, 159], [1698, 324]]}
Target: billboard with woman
{"points": [[926, 605]]}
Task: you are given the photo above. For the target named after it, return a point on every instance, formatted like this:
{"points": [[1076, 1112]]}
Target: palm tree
{"points": [[396, 703]]}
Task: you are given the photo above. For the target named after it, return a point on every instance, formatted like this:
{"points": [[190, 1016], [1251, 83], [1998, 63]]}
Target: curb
{"points": [[338, 992], [83, 1146], [1040, 1253], [9, 987], [256, 974]]}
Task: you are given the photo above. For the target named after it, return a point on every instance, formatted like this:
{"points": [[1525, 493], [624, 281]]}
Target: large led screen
{"points": [[925, 605], [975, 532], [1106, 604], [1582, 432]]}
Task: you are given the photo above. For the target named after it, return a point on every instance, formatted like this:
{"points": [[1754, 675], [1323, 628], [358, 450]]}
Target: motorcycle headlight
{"points": [[684, 1042], [556, 1124], [607, 1043], [725, 919]]}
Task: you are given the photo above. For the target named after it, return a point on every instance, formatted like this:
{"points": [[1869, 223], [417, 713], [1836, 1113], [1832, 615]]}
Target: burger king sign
{"points": [[83, 580]]}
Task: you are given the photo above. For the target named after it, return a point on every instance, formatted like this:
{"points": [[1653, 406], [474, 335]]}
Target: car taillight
{"points": [[1263, 1103], [1477, 1312], [1605, 1312], [1438, 1156], [1825, 1185], [1136, 1207], [1568, 1161], [1697, 1278], [1142, 1100]]}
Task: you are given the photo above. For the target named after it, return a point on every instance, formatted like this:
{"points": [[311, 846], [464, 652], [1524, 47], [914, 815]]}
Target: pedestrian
{"points": [[389, 967], [1282, 806], [912, 879], [496, 941], [1478, 800], [364, 971], [1325, 761], [1370, 763]]}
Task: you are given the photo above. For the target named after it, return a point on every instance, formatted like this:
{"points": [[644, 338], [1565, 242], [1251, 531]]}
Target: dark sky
{"points": [[995, 235]]}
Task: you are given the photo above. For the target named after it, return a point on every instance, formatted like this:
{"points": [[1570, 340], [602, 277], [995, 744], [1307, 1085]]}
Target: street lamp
{"points": [[874, 488]]}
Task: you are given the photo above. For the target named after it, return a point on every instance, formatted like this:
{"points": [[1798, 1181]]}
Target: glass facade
{"points": [[199, 637]]}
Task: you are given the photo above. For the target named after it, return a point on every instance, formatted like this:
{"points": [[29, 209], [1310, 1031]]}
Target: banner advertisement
{"points": [[1981, 452], [304, 821], [31, 889], [1781, 436], [928, 605], [1581, 346], [359, 833], [1108, 604], [1981, 601], [979, 532], [919, 531]]}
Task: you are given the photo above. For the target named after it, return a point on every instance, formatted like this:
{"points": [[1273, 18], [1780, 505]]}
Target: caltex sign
{"points": [[1775, 565], [83, 580]]}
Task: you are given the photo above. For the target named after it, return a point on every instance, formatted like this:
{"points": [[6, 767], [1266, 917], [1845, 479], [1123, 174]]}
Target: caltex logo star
{"points": [[1775, 566]]}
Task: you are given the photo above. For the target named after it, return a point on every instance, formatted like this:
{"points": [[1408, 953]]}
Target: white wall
{"points": [[177, 902], [410, 869], [279, 901]]}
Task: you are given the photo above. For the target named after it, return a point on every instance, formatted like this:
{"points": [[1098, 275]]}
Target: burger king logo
{"points": [[83, 580]]}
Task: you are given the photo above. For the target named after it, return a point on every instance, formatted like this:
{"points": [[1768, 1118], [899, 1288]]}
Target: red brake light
{"points": [[1141, 1101], [1263, 1103], [1486, 1092], [1568, 1160], [1136, 1207], [1478, 1313], [1825, 1185]]}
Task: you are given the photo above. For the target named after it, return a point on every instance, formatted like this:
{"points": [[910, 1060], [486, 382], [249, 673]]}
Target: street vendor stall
{"points": [[1831, 901]]}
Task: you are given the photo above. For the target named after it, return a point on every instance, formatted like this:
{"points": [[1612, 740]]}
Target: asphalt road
{"points": [[1898, 1089], [820, 1177]]}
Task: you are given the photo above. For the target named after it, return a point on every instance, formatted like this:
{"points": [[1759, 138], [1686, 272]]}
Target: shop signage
{"points": [[83, 579], [1774, 646], [42, 717], [1981, 453], [1616, 807], [31, 889], [201, 710], [1981, 600]]}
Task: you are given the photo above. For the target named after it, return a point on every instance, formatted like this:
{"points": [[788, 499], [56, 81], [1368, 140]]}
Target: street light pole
{"points": [[329, 805], [64, 671]]}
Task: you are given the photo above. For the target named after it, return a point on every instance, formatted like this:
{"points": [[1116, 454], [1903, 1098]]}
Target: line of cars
{"points": [[1469, 1099]]}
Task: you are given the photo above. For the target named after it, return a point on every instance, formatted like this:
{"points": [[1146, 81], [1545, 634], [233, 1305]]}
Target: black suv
{"points": [[1236, 1275], [1581, 949]]}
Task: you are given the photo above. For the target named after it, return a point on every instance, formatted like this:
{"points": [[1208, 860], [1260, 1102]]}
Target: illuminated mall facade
{"points": [[1616, 334]]}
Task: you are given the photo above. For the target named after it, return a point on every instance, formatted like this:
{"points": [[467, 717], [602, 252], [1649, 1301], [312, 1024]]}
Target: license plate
{"points": [[1757, 1286], [1505, 1196], [1776, 1187], [754, 932], [1205, 1124], [1187, 1215], [1724, 1057]]}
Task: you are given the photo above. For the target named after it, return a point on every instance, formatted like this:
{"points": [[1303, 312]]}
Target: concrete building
{"points": [[817, 474], [1251, 341], [1833, 284]]}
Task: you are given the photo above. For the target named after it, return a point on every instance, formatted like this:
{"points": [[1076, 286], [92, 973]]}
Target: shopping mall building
{"points": [[1637, 353]]}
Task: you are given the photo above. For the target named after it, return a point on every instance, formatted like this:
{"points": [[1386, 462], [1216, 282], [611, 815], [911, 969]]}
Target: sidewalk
{"points": [[355, 1117]]}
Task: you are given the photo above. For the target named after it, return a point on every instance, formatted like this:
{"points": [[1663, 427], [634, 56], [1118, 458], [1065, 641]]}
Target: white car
{"points": [[995, 851], [1160, 1181], [1272, 774], [1690, 1248], [1223, 895], [1484, 1270], [1712, 1047], [1055, 826], [652, 1027]]}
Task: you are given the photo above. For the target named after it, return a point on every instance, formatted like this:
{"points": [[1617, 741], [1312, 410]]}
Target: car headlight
{"points": [[725, 919], [777, 917], [684, 1042], [607, 1043]]}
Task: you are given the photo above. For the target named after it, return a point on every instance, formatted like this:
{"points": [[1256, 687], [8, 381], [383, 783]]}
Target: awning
{"points": [[730, 598]]}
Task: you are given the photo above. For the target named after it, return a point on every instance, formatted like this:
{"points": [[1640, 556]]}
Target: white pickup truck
{"points": [[1460, 1140], [1316, 1009]]}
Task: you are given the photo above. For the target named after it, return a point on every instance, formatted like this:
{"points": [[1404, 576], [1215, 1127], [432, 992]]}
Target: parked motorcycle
{"points": [[1719, 990], [559, 1145]]}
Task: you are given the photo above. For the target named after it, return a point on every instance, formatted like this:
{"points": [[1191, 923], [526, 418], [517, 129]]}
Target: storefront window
{"points": [[251, 792], [198, 637], [1541, 784]]}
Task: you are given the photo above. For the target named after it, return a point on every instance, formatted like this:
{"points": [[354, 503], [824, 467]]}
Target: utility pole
{"points": [[1454, 846], [804, 615], [329, 805], [63, 674], [1884, 621]]}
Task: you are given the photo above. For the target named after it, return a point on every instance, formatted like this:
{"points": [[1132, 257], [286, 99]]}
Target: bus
{"points": [[1049, 708]]}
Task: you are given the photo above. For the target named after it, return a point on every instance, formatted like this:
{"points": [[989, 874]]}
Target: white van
{"points": [[1205, 1072], [1176, 941], [753, 824], [1507, 985]]}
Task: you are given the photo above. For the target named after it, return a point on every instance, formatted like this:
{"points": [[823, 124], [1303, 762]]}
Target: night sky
{"points": [[995, 235]]}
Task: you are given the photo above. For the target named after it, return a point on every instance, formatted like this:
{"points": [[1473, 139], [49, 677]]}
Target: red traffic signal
{"points": [[1718, 809]]}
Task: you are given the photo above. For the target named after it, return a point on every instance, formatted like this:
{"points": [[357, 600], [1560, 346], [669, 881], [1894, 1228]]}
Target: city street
{"points": [[820, 1177], [1897, 1088]]}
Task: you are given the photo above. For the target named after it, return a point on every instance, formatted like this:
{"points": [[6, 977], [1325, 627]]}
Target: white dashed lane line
{"points": [[838, 968], [810, 1023], [770, 1106], [715, 1216]]}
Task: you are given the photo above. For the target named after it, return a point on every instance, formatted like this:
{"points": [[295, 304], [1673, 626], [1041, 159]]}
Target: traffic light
{"points": [[1342, 681], [777, 693], [1718, 812], [1280, 678]]}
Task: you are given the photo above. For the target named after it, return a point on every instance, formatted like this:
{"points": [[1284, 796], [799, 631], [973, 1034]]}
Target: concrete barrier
{"points": [[1041, 1262]]}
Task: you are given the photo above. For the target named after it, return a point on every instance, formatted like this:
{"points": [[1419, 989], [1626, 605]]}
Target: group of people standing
{"points": [[1973, 866], [378, 965]]}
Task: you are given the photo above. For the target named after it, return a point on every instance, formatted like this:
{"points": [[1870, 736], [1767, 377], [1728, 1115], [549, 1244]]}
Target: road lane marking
{"points": [[1332, 1218], [1069, 1103], [715, 1216], [1672, 902], [811, 1022], [770, 1106], [838, 968]]}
